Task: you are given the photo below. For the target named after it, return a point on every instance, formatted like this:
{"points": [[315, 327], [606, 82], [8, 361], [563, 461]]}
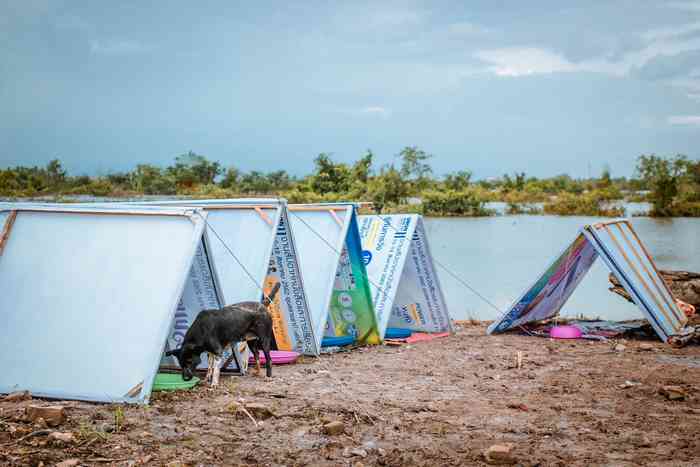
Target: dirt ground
{"points": [[433, 403]]}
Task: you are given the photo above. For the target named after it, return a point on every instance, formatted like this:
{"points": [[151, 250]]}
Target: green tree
{"points": [[330, 177], [414, 167], [362, 168], [515, 183], [661, 176], [458, 180], [55, 173], [231, 179], [193, 169], [389, 187], [151, 180], [605, 180]]}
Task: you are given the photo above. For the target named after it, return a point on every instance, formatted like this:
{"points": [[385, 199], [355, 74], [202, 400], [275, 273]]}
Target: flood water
{"points": [[502, 256]]}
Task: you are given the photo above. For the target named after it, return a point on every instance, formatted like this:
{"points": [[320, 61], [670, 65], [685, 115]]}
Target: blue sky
{"points": [[541, 87]]}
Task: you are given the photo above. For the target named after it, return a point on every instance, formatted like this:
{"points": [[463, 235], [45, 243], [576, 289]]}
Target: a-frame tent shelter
{"points": [[621, 249], [88, 296], [252, 248], [334, 274], [405, 286]]}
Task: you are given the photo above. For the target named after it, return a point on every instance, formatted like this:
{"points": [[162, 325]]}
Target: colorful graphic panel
{"points": [[350, 310], [551, 291], [333, 273]]}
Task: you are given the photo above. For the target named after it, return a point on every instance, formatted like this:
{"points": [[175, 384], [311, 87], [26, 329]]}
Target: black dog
{"points": [[214, 330]]}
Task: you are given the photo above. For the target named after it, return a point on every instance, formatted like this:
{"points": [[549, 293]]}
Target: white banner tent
{"points": [[335, 278], [88, 295], [618, 245], [251, 246], [405, 286]]}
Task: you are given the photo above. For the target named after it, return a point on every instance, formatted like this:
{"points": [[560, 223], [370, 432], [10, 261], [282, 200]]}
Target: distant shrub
{"points": [[586, 204], [454, 203]]}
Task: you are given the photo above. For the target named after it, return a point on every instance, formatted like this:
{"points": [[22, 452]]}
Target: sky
{"points": [[544, 87]]}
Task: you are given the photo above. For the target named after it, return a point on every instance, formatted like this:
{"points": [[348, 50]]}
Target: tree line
{"points": [[670, 184]]}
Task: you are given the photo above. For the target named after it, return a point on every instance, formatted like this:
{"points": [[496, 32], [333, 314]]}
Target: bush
{"points": [[587, 204], [454, 203]]}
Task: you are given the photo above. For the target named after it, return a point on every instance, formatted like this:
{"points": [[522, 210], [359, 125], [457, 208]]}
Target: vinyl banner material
{"points": [[546, 297], [200, 293], [350, 311], [333, 272], [625, 254], [252, 248], [290, 316], [94, 291], [405, 288]]}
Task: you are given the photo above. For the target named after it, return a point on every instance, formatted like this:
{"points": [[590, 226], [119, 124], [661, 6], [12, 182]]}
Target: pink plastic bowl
{"points": [[565, 332], [279, 357]]}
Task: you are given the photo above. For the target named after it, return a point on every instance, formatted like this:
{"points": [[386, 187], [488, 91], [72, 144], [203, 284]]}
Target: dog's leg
{"points": [[255, 350], [217, 370], [266, 344], [210, 368]]}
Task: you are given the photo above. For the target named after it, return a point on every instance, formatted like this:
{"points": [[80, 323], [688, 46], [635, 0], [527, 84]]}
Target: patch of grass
{"points": [[119, 418], [586, 204]]}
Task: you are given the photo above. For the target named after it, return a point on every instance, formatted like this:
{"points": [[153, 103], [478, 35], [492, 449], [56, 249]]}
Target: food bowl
{"points": [[565, 332]]}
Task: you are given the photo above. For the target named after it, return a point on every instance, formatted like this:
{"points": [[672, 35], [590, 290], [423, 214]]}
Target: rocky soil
{"points": [[469, 399]]}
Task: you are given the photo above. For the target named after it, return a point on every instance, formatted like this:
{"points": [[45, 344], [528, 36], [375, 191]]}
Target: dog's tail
{"points": [[269, 298]]}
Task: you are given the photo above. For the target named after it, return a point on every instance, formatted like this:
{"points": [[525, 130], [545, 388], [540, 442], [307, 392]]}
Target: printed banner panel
{"points": [[385, 242], [319, 239], [419, 304], [290, 314], [350, 309], [632, 264], [551, 291]]}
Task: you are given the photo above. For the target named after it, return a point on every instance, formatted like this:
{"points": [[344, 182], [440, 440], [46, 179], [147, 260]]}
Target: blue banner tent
{"points": [[252, 248], [405, 286], [618, 245], [334, 274], [88, 296]]}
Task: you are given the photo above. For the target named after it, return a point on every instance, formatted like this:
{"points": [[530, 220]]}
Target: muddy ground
{"points": [[434, 403]]}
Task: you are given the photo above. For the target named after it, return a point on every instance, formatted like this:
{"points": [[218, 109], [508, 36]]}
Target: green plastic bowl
{"points": [[173, 382]]}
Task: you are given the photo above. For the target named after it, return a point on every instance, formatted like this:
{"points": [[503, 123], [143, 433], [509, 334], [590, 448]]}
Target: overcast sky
{"points": [[542, 87]]}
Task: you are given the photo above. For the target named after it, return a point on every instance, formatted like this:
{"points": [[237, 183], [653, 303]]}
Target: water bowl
{"points": [[565, 332], [279, 357]]}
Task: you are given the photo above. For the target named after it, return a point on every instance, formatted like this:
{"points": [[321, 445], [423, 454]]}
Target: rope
{"points": [[384, 292], [233, 255], [456, 277]]}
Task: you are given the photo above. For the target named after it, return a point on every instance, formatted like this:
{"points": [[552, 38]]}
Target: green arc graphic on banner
{"points": [[333, 272]]}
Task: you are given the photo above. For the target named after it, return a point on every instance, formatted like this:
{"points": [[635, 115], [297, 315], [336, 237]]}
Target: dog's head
{"points": [[188, 358]]}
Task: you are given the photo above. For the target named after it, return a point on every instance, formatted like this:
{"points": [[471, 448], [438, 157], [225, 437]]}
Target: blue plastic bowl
{"points": [[337, 341], [397, 333]]}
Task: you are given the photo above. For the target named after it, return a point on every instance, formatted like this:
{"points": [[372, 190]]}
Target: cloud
{"points": [[671, 31], [668, 55], [118, 47], [523, 61], [686, 120], [665, 67]]}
